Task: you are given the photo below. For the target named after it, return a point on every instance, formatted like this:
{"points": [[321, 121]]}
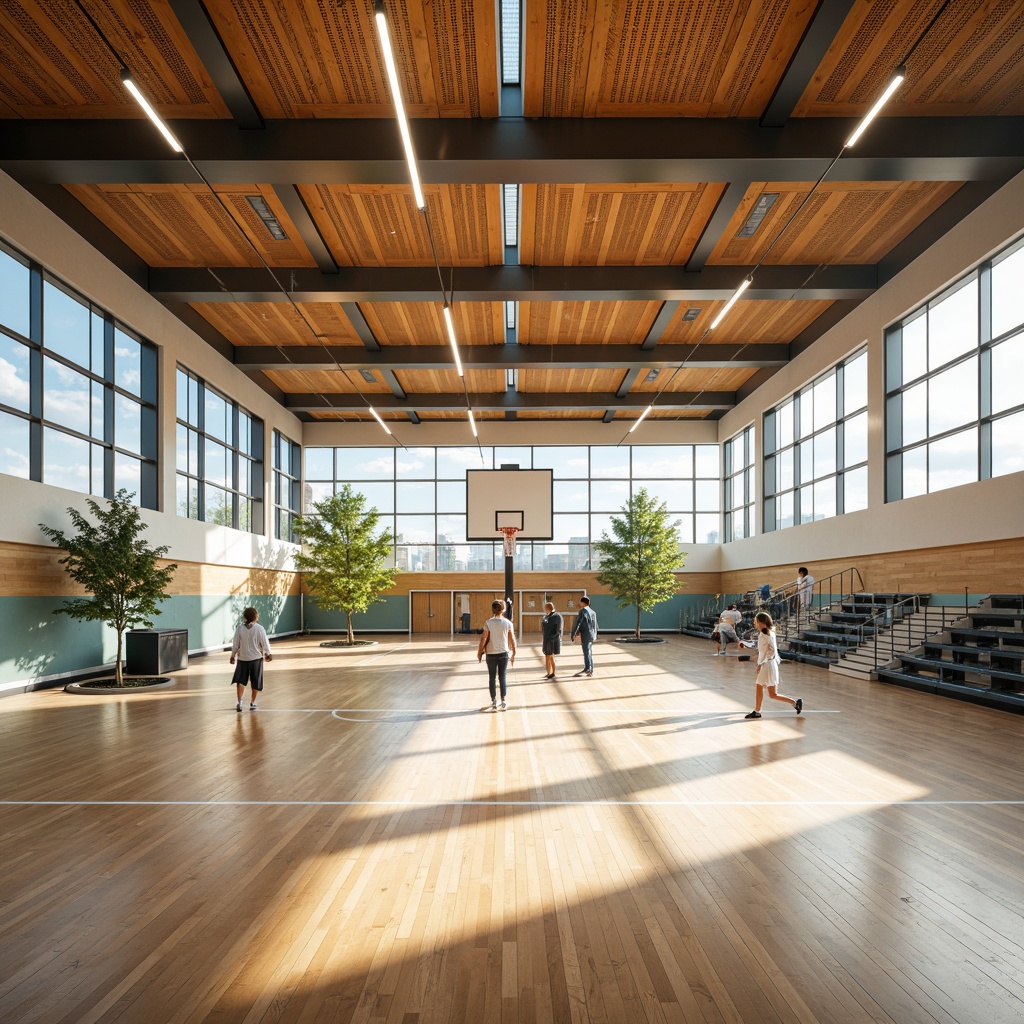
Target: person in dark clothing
{"points": [[551, 636], [586, 629]]}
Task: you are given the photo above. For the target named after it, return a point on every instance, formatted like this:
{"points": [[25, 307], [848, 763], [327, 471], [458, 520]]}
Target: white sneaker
{"points": [[502, 706], [252, 707]]}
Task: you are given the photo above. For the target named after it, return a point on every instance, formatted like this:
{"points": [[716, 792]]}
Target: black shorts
{"points": [[249, 673]]}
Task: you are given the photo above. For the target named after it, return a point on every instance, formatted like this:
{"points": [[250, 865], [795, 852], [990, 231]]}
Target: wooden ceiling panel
{"points": [[188, 226], [658, 58], [968, 62], [576, 381], [764, 322], [558, 414], [54, 64], [278, 323], [323, 60], [379, 225], [448, 382], [843, 223], [326, 382], [585, 323], [719, 378], [664, 414], [422, 323], [478, 414], [614, 225]]}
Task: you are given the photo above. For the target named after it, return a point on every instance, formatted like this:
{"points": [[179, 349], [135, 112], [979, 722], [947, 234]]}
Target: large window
{"points": [[816, 449], [219, 458], [78, 390], [954, 386], [421, 495], [739, 486], [287, 467]]}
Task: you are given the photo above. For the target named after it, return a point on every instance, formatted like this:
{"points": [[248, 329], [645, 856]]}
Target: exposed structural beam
{"points": [[204, 39], [500, 283], [660, 325], [518, 357], [308, 231], [821, 31], [554, 150], [628, 380], [513, 401], [716, 225], [361, 327]]}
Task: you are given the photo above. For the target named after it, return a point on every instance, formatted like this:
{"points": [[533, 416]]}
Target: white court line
{"points": [[383, 654], [511, 803], [405, 712]]}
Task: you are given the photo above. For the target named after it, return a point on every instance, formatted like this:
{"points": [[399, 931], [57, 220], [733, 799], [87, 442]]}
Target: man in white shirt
{"points": [[498, 640]]}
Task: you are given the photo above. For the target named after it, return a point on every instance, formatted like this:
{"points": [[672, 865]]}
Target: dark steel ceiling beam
{"points": [[825, 23], [512, 400], [526, 284], [207, 43], [716, 225], [307, 229], [546, 150], [311, 358]]}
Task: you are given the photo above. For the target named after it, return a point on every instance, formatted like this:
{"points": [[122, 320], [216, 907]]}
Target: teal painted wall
{"points": [[389, 614], [36, 642]]}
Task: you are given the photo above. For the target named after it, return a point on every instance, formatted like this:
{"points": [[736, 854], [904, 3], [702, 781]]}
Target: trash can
{"points": [[465, 623], [152, 652]]}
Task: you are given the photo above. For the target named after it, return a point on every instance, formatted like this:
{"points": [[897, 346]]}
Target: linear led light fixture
{"points": [[376, 416], [451, 338], [894, 83], [129, 84], [641, 418], [472, 422], [396, 95], [744, 285]]}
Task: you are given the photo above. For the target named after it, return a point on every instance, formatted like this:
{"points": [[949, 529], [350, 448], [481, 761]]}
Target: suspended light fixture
{"points": [[376, 416], [451, 338], [129, 84], [641, 418], [744, 285], [894, 83], [472, 422], [380, 15]]}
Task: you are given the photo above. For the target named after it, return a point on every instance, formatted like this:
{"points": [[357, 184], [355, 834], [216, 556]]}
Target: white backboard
{"points": [[497, 495]]}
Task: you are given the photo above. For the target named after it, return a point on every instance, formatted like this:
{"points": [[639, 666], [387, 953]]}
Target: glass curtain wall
{"points": [[287, 465], [955, 384], [421, 495], [816, 448], [219, 458], [78, 390], [739, 486]]}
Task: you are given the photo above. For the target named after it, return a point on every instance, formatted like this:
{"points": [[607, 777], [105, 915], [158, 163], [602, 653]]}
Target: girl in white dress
{"points": [[768, 666]]}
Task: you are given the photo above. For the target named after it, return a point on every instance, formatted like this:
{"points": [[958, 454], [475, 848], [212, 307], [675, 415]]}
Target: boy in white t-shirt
{"points": [[250, 648]]}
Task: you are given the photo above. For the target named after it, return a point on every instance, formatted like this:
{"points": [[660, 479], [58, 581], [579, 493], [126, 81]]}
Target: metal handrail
{"points": [[944, 615], [782, 598]]}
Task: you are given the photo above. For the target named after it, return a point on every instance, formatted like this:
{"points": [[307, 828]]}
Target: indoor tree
{"points": [[640, 563], [112, 562], [346, 553]]}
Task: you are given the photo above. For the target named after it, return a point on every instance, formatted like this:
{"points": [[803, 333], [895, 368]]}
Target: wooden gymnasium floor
{"points": [[370, 847]]}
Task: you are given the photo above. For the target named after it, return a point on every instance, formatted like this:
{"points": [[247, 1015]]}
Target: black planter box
{"points": [[152, 652]]}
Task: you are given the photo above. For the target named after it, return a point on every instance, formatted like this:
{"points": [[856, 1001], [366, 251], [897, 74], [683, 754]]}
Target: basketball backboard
{"points": [[506, 497]]}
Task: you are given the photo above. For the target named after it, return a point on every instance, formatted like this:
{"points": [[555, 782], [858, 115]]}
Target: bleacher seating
{"points": [[980, 658]]}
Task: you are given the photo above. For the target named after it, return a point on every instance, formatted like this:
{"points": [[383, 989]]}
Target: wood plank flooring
{"points": [[370, 847]]}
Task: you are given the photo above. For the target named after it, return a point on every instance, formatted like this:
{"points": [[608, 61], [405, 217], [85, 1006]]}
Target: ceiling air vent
{"points": [[765, 201]]}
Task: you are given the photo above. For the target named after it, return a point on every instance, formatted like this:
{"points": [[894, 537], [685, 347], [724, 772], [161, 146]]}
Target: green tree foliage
{"points": [[111, 561], [639, 565], [344, 561]]}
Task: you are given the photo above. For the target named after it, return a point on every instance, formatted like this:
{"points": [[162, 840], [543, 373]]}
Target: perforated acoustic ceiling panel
{"points": [[585, 323], [304, 59], [608, 225], [278, 323]]}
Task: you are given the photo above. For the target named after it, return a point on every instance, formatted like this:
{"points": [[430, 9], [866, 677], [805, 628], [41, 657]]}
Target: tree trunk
{"points": [[638, 622], [118, 667], [348, 623]]}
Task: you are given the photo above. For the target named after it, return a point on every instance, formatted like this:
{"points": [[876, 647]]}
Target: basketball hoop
{"points": [[509, 532]]}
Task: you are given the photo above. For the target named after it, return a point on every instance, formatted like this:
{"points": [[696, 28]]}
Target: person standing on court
{"points": [[586, 629], [551, 637], [726, 628], [767, 677], [498, 640], [250, 648]]}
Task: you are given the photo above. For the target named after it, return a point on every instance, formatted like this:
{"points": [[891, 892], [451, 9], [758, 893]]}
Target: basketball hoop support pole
{"points": [[510, 548]]}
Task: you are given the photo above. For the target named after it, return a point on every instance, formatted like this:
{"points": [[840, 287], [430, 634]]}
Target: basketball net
{"points": [[509, 533]]}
